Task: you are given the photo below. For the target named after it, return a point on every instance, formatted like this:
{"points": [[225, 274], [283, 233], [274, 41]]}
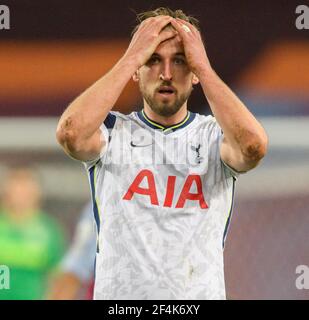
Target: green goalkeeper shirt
{"points": [[30, 249]]}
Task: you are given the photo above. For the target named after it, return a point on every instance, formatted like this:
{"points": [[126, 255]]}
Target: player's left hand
{"points": [[193, 45]]}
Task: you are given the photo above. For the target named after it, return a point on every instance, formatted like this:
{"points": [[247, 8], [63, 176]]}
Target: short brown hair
{"points": [[164, 11]]}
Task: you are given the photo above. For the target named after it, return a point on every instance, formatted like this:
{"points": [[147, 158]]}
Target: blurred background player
{"points": [[75, 275], [31, 242]]}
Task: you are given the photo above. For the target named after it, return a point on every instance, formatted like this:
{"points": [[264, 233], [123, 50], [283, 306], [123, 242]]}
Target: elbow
{"points": [[256, 149], [67, 138], [63, 136]]}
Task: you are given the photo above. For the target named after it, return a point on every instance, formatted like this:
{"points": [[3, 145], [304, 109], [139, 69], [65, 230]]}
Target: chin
{"points": [[165, 110]]}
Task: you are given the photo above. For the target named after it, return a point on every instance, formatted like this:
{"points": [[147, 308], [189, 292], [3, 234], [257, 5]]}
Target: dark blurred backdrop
{"points": [[48, 35]]}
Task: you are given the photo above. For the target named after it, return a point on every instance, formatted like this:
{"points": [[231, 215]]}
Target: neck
{"points": [[166, 121]]}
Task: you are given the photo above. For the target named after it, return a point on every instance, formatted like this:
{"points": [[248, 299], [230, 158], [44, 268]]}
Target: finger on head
{"points": [[146, 21], [179, 27], [157, 22], [168, 26], [156, 19], [163, 17], [183, 22], [176, 24], [186, 23], [163, 21], [143, 24], [167, 34]]}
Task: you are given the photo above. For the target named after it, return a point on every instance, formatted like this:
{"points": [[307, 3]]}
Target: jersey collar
{"points": [[155, 125]]}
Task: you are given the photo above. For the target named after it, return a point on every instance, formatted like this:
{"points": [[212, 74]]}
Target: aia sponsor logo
{"points": [[169, 201]]}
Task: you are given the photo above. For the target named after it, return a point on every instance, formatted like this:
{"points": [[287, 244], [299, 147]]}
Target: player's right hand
{"points": [[147, 37]]}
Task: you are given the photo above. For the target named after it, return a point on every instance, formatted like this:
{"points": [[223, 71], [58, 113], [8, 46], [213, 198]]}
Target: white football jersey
{"points": [[162, 200]]}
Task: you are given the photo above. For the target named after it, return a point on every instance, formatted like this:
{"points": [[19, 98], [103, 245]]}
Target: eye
{"points": [[153, 60], [179, 61]]}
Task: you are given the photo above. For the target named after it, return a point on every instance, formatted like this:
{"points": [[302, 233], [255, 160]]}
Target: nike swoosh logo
{"points": [[139, 146]]}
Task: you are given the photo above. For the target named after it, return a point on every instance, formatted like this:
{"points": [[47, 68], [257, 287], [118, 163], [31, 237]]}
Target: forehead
{"points": [[170, 47]]}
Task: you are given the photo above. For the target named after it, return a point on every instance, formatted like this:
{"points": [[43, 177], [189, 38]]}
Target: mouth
{"points": [[166, 91]]}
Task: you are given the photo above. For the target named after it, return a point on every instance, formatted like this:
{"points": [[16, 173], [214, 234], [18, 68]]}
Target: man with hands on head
{"points": [[162, 225]]}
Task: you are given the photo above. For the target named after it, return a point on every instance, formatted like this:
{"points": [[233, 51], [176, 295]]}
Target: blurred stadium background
{"points": [[55, 49]]}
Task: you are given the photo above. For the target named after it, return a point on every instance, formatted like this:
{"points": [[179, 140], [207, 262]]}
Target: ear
{"points": [[195, 79], [135, 76]]}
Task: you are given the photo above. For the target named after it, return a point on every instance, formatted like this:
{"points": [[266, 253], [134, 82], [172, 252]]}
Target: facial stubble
{"points": [[164, 108]]}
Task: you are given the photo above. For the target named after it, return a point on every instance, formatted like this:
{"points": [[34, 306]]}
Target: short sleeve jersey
{"points": [[162, 200]]}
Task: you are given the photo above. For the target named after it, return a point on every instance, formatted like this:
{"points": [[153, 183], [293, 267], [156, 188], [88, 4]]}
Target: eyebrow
{"points": [[176, 54]]}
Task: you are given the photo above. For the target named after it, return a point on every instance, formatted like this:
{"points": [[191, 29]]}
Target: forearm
{"points": [[87, 112], [241, 129]]}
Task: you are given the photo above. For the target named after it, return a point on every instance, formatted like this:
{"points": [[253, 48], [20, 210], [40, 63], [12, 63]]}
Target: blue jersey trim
{"points": [[230, 214], [110, 120], [94, 202]]}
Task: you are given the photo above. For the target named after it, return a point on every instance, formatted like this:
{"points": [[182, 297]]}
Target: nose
{"points": [[166, 73]]}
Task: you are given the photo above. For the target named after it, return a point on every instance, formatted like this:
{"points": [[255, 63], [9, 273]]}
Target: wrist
{"points": [[130, 62], [204, 72]]}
